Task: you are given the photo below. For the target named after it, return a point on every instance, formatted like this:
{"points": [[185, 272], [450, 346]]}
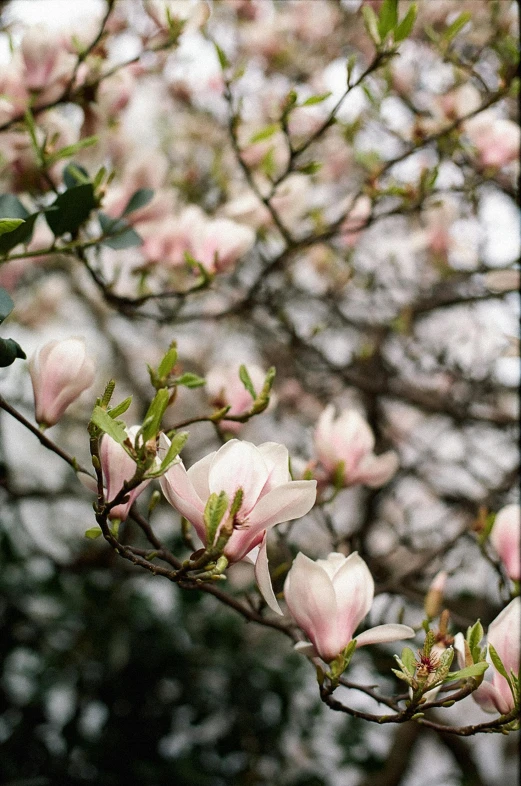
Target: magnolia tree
{"points": [[261, 257]]}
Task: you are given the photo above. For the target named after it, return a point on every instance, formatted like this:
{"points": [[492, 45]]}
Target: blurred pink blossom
{"points": [[506, 537], [117, 467]]}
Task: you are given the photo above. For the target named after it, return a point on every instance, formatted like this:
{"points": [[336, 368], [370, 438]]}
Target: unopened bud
{"points": [[434, 597]]}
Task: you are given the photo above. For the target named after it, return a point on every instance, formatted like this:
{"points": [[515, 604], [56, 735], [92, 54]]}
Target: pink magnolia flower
{"points": [[60, 371], [496, 139], [504, 633], [269, 497], [225, 388], [329, 598], [117, 467], [349, 439], [506, 537], [220, 243]]}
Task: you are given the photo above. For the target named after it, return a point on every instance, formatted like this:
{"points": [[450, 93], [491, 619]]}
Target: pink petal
{"points": [[277, 460], [383, 633], [374, 470], [239, 465], [198, 474], [180, 493], [354, 591], [263, 578], [490, 699], [284, 503]]}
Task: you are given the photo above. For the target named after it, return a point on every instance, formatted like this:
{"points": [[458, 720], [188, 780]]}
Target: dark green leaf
{"points": [[11, 207], [10, 350], [71, 209], [120, 235], [22, 234], [138, 200]]}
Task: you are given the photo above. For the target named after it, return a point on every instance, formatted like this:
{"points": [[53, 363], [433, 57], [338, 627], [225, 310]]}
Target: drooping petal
{"points": [[263, 578], [504, 634], [284, 503], [383, 633], [238, 465], [490, 699], [374, 471], [311, 600]]}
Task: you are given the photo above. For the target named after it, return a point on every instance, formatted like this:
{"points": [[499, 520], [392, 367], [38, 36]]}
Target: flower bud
{"points": [[505, 537], [117, 467], [434, 597], [60, 371]]}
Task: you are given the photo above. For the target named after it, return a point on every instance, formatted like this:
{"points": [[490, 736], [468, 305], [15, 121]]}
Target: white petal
{"points": [[180, 493], [263, 578], [239, 465], [277, 460], [284, 503], [374, 470], [354, 591], [383, 633], [198, 474]]}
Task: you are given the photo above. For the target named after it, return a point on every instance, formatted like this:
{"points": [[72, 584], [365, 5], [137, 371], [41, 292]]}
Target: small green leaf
{"points": [[458, 24], [409, 659], [246, 381], [315, 99], [6, 304], [404, 28], [9, 224], [498, 663], [474, 636], [10, 350], [311, 168], [213, 514], [71, 209], [119, 234], [388, 17], [176, 446], [476, 670], [156, 410], [139, 199], [93, 533], [265, 133], [167, 363], [223, 60], [119, 409], [75, 174], [114, 428], [20, 234], [71, 150], [189, 380], [371, 24]]}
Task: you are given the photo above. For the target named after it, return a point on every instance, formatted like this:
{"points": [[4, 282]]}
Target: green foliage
{"points": [[152, 420], [476, 670], [10, 349], [214, 511], [107, 424], [246, 381], [190, 380], [71, 209], [9, 224], [139, 199], [265, 133], [118, 234], [12, 208]]}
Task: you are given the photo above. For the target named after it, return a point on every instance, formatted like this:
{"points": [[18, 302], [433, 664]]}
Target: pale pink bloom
{"points": [[193, 12], [270, 496], [506, 537], [225, 388], [48, 66], [117, 467], [356, 221], [504, 633], [329, 598], [115, 92], [349, 439], [60, 371], [221, 243], [497, 140], [434, 597]]}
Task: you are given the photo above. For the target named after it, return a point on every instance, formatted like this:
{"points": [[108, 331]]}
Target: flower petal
{"points": [[354, 591], [180, 493], [198, 474], [490, 699], [239, 465], [263, 578], [383, 633], [284, 503], [276, 457], [374, 471]]}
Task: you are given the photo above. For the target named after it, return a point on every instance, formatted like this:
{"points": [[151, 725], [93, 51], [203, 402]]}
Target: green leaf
{"points": [[315, 99], [476, 670], [311, 168], [388, 17], [176, 446], [119, 409], [167, 363], [9, 224], [71, 150], [6, 304], [22, 234], [71, 209], [404, 28], [474, 636], [139, 199], [190, 380], [454, 28], [119, 234], [156, 410], [223, 60], [75, 174], [265, 133], [246, 381], [114, 428], [371, 24], [498, 663], [93, 533], [10, 350], [213, 514], [408, 659]]}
